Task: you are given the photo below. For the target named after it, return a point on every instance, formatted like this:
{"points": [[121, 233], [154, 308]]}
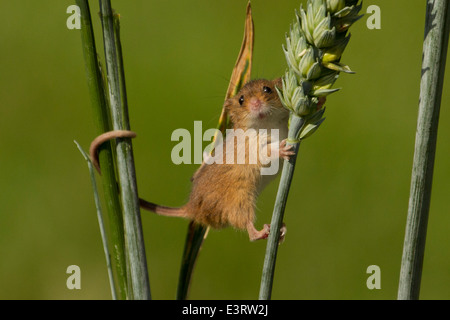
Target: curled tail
{"points": [[163, 211]]}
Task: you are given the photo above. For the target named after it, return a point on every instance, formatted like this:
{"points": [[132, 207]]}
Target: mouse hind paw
{"points": [[255, 234], [283, 231], [258, 234]]}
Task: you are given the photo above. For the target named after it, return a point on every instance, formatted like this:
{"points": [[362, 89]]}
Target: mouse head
{"points": [[256, 105]]}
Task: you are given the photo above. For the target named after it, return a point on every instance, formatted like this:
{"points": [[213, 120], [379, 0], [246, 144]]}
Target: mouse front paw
{"points": [[286, 151]]}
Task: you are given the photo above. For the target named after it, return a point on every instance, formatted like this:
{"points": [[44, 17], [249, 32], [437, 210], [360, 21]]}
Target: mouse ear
{"points": [[278, 83], [228, 104]]}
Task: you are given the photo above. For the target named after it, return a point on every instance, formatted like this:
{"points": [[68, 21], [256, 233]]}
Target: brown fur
{"points": [[225, 194]]}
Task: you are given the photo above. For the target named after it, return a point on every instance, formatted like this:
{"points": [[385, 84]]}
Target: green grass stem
{"points": [[314, 46], [435, 45], [99, 102], [296, 125], [101, 223], [134, 240], [194, 240]]}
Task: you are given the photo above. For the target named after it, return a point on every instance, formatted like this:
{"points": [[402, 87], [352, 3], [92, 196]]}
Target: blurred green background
{"points": [[348, 202]]}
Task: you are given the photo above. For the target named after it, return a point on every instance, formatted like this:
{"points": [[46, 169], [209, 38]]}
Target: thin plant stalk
{"points": [[194, 240], [100, 222], [240, 75], [314, 46], [435, 45], [123, 91], [296, 125], [134, 240], [101, 116]]}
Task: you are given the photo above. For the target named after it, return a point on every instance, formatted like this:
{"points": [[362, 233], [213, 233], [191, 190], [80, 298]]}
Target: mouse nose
{"points": [[255, 104]]}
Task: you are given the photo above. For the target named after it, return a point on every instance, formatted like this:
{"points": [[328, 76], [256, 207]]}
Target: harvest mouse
{"points": [[224, 194]]}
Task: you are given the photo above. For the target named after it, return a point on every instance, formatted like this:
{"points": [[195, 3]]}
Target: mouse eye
{"points": [[267, 90], [241, 100]]}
